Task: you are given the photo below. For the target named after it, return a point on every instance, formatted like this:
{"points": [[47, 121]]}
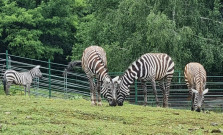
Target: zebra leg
{"points": [[202, 106], [154, 91], [92, 88], [28, 88], [167, 91], [25, 90], [144, 92], [4, 83], [99, 93], [95, 93], [162, 88], [191, 97], [192, 101], [7, 91]]}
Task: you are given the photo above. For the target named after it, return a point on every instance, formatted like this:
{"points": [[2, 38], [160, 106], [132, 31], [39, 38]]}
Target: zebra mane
{"points": [[99, 55], [114, 80], [38, 66], [117, 79]]}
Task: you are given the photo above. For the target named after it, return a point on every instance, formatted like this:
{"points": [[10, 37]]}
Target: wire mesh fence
{"points": [[57, 83], [53, 84], [179, 96]]}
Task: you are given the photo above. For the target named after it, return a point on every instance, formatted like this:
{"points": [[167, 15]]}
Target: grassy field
{"points": [[23, 115], [19, 90]]}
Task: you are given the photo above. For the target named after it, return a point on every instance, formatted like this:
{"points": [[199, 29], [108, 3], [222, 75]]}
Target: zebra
{"points": [[20, 78], [2, 72], [195, 78], [149, 67], [94, 64]]}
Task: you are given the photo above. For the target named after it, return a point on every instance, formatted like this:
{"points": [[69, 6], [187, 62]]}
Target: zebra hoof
{"points": [[99, 104], [93, 104], [165, 105]]}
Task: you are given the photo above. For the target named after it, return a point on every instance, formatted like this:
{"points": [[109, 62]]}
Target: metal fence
{"points": [[53, 84], [179, 97], [75, 84]]}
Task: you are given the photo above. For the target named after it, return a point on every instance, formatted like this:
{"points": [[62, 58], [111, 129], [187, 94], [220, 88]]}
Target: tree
{"points": [[40, 29], [189, 31]]}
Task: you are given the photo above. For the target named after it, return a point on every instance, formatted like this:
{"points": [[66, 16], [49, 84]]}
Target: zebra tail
{"points": [[4, 83], [71, 66]]}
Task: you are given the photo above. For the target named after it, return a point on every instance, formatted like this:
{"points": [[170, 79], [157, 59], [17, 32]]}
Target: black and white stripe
{"points": [[20, 78], [195, 78], [94, 64], [149, 67]]}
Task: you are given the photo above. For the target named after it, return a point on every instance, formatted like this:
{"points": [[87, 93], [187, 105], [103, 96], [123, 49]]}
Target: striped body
{"points": [[149, 67], [20, 78], [94, 63], [17, 78], [195, 78]]}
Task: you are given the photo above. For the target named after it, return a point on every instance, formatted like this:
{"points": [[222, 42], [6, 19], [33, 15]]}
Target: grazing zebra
{"points": [[20, 78], [149, 67], [195, 78], [94, 64]]}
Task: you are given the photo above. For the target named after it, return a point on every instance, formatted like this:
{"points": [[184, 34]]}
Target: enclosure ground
{"points": [[24, 115]]}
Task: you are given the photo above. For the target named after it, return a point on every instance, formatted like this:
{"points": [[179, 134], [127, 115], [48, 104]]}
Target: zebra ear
{"points": [[107, 80], [194, 91], [119, 81], [37, 66], [114, 80], [205, 91]]}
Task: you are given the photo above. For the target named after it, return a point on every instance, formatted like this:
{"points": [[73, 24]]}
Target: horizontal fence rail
{"points": [[53, 85], [56, 83]]}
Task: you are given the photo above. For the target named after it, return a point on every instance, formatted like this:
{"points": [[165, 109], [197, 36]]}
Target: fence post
{"points": [[136, 92], [7, 64], [65, 82], [49, 78], [36, 83], [179, 77]]}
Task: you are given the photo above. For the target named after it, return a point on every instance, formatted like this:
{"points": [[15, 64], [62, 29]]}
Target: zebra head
{"points": [[35, 72], [121, 89], [198, 99], [108, 91]]}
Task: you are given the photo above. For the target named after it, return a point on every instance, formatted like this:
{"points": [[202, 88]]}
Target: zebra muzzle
{"points": [[198, 110], [112, 103]]}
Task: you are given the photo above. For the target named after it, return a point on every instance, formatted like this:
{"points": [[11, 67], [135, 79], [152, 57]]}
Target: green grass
{"points": [[19, 90], [24, 115]]}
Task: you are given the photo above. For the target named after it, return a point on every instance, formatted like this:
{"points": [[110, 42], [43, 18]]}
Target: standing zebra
{"points": [[94, 64], [149, 67], [23, 78], [195, 78]]}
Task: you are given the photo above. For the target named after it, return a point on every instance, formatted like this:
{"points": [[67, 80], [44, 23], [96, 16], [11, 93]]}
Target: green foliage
{"points": [[164, 36], [24, 115], [188, 31], [115, 61], [40, 29]]}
